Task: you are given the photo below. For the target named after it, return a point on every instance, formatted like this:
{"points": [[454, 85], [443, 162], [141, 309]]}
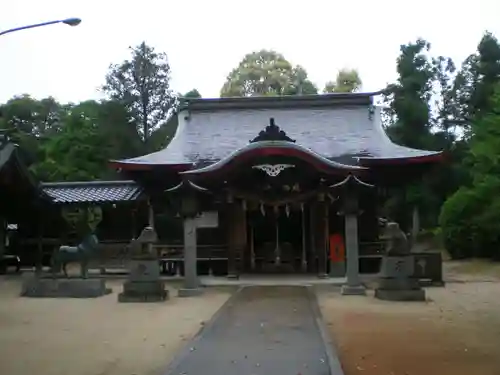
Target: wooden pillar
{"points": [[415, 225], [3, 235], [39, 257], [151, 215], [231, 238], [133, 219], [252, 248], [3, 230], [312, 236], [303, 263], [277, 249], [237, 235], [322, 236]]}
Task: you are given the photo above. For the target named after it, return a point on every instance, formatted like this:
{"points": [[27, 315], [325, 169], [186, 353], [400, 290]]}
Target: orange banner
{"points": [[337, 250]]}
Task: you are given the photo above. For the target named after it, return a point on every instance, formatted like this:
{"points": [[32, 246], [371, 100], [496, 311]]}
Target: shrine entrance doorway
{"points": [[276, 241]]}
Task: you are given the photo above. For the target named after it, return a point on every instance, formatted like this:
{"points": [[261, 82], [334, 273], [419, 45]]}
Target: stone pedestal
{"points": [[396, 282], [144, 284], [189, 292], [46, 286], [353, 290], [337, 269]]}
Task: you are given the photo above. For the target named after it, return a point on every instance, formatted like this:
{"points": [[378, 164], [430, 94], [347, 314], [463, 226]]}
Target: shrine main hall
{"points": [[288, 184]]}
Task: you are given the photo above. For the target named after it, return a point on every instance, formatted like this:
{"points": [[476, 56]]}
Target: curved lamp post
{"points": [[67, 21]]}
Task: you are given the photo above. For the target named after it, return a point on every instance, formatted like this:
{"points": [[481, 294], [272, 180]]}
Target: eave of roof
{"points": [[431, 157], [284, 101], [92, 191]]}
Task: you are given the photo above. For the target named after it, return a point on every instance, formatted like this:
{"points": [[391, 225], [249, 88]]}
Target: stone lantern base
{"points": [[144, 283]]}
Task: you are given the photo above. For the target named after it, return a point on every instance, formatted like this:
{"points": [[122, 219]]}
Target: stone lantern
{"points": [[144, 283], [187, 194]]}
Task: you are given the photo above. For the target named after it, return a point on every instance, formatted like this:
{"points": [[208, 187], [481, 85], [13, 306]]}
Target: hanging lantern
{"points": [[189, 206]]}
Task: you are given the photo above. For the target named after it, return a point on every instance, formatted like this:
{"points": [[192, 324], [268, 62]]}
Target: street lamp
{"points": [[67, 21]]}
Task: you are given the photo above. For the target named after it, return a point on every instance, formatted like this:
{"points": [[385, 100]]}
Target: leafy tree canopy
{"points": [[142, 85], [267, 72], [348, 80]]}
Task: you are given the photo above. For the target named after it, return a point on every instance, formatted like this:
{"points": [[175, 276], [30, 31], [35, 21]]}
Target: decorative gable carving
{"points": [[272, 132]]}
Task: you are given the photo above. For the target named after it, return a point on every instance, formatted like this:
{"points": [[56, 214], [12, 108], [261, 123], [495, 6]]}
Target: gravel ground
{"points": [[456, 332], [96, 336]]}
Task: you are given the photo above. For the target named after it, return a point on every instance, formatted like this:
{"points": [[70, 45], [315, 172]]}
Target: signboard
{"points": [[208, 219], [337, 250]]}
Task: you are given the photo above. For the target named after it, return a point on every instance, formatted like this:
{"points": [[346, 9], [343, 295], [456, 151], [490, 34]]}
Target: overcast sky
{"points": [[206, 39]]}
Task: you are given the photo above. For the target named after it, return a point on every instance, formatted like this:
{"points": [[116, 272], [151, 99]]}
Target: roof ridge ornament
{"points": [[272, 132]]}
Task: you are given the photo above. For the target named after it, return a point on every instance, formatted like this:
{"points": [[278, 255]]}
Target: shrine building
{"points": [[273, 184], [287, 184]]}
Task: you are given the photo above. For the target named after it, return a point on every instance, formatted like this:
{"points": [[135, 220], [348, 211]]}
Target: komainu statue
{"points": [[75, 254], [397, 243], [84, 220]]}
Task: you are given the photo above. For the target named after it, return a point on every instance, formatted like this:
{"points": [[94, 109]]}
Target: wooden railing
{"points": [[115, 253]]}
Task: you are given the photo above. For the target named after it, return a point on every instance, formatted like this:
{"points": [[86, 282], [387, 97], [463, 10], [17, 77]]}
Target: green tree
{"points": [[142, 85], [470, 218], [195, 94], [408, 98], [27, 120], [415, 123], [75, 152], [91, 133], [267, 72], [118, 130], [487, 65], [348, 80]]}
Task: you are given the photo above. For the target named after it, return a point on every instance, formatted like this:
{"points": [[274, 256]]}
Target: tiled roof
{"points": [[92, 191], [24, 181], [343, 131]]}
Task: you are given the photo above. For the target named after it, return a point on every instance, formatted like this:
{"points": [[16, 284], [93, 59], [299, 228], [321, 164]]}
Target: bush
{"points": [[470, 221]]}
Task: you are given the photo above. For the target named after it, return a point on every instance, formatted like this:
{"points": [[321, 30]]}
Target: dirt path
{"points": [[265, 330], [96, 336], [458, 332]]}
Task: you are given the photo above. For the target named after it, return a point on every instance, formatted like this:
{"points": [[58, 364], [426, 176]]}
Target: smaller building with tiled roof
{"points": [[92, 192]]}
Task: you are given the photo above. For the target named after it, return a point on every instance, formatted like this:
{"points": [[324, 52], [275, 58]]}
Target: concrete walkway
{"points": [[262, 330]]}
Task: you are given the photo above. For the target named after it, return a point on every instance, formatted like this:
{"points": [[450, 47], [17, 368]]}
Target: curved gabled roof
{"points": [[274, 148], [342, 128]]}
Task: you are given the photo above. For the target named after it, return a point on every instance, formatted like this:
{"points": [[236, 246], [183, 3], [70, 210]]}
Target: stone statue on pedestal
{"points": [[79, 254], [396, 280], [84, 221]]}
